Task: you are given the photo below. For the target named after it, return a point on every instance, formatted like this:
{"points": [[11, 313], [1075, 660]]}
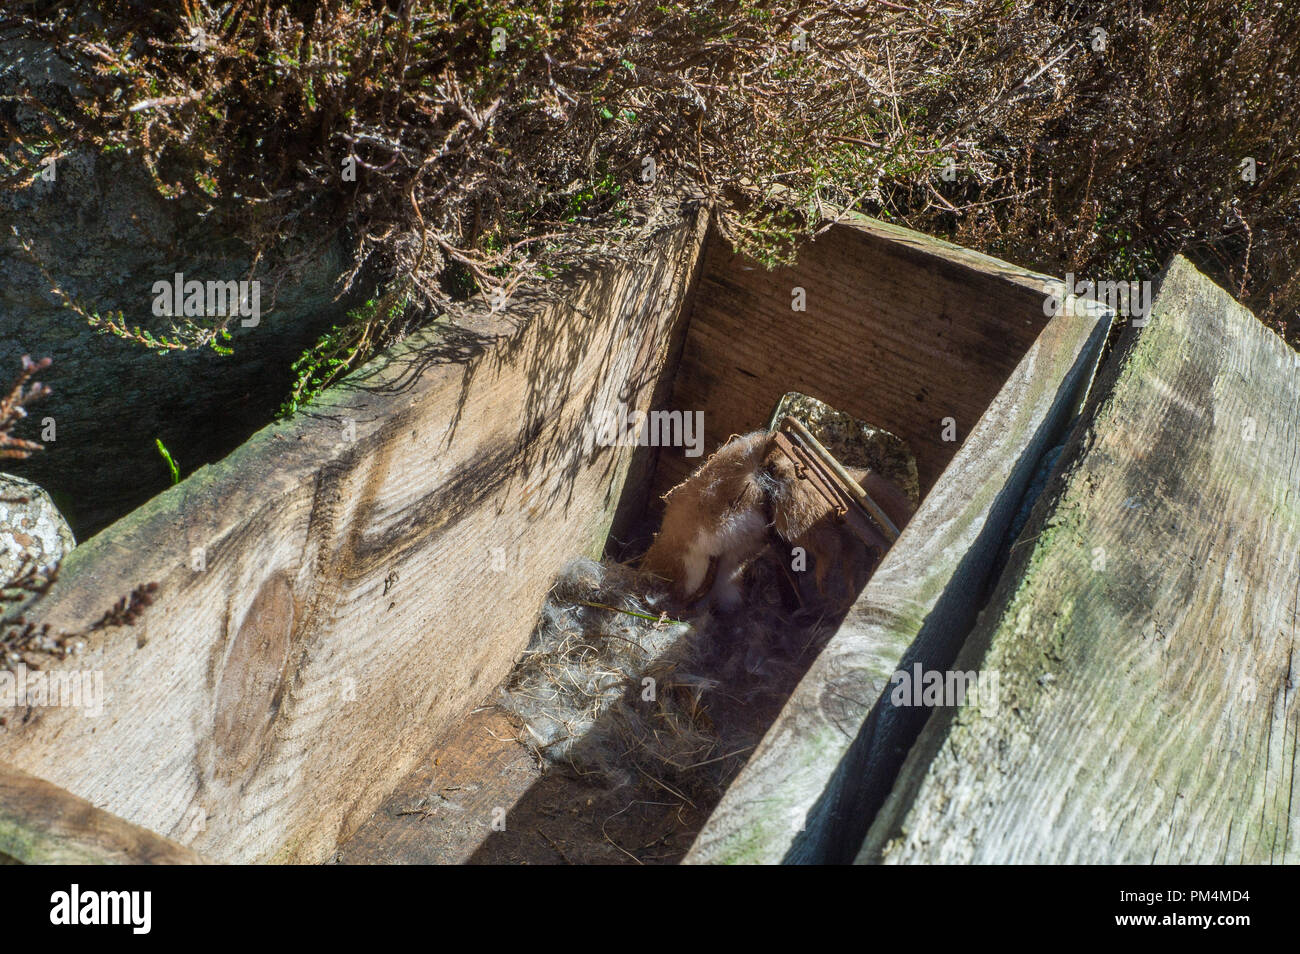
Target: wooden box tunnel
{"points": [[347, 588]]}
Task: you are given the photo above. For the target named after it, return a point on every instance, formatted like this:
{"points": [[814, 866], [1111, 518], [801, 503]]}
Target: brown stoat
{"points": [[721, 517]]}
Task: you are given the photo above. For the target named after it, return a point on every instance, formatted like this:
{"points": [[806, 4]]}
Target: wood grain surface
{"points": [[969, 335], [41, 823], [370, 570], [1145, 635]]}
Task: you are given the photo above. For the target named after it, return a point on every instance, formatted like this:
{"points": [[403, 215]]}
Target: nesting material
{"points": [[716, 681], [601, 625]]}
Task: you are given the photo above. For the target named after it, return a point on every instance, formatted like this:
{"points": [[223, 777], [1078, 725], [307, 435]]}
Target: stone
{"points": [[32, 531]]}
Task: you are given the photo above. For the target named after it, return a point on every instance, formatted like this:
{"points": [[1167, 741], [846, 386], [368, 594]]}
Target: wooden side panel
{"points": [[442, 813], [40, 823], [346, 585], [899, 329], [812, 786], [1145, 639]]}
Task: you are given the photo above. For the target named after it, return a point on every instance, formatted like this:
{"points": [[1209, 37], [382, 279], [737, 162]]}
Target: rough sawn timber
{"points": [[369, 570], [899, 329], [813, 784], [1145, 635], [40, 823]]}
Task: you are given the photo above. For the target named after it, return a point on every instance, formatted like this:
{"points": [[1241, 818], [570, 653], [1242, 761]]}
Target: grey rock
{"points": [[32, 531]]}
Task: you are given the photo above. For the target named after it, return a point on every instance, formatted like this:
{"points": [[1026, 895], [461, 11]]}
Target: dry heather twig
{"points": [[13, 410], [465, 147]]}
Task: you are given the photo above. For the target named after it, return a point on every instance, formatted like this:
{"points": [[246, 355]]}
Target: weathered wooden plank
{"points": [[1145, 635], [443, 812], [369, 571], [41, 823], [812, 786], [480, 797]]}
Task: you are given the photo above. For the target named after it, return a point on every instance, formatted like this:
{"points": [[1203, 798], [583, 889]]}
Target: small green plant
{"points": [[171, 464], [342, 348]]}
